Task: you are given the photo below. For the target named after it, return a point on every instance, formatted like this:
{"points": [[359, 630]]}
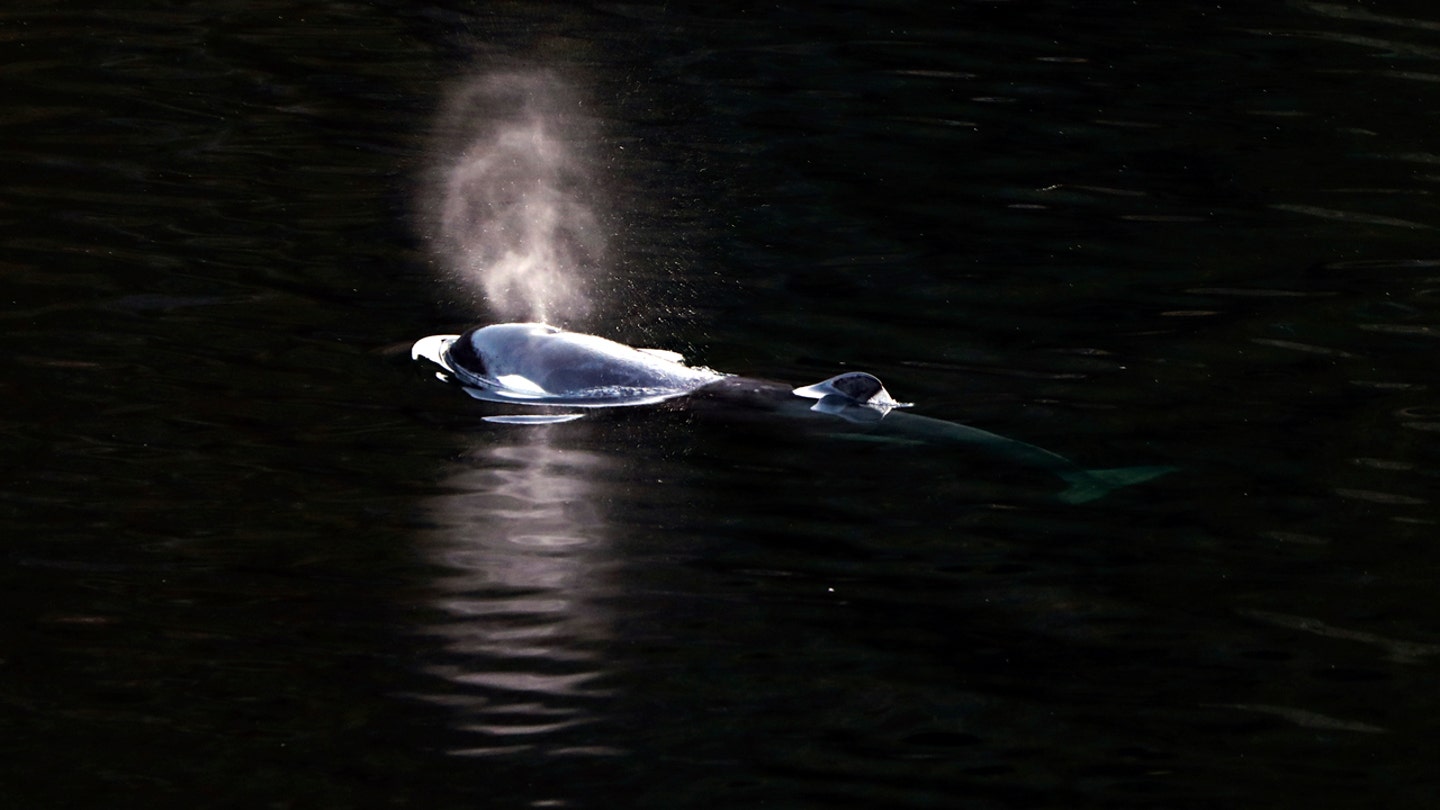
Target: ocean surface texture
{"points": [[252, 556]]}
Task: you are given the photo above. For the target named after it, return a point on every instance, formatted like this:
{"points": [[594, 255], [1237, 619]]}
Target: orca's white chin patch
{"points": [[433, 348]]}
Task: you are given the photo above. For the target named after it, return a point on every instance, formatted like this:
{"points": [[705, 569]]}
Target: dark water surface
{"points": [[252, 557]]}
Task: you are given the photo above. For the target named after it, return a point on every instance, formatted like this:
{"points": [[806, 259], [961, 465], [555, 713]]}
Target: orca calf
{"points": [[536, 364]]}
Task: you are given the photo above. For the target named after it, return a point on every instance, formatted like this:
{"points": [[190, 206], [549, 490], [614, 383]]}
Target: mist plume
{"points": [[511, 208]]}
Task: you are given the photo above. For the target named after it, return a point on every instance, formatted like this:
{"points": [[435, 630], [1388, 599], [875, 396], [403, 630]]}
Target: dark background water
{"points": [[252, 557]]}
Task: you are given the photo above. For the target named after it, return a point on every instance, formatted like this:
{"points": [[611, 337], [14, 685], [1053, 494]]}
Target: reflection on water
{"points": [[523, 560]]}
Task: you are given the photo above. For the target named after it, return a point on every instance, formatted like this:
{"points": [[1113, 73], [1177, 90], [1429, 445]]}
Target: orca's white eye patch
{"points": [[520, 385]]}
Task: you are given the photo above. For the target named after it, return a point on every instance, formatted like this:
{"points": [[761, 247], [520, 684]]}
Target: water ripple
{"points": [[520, 553]]}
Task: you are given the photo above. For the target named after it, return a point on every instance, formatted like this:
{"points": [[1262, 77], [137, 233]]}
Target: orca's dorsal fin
{"points": [[855, 387]]}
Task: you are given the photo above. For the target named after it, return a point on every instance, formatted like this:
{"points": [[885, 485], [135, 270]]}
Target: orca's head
{"points": [[464, 356], [476, 351]]}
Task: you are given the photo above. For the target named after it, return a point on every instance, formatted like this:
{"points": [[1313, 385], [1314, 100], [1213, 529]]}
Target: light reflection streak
{"points": [[523, 553]]}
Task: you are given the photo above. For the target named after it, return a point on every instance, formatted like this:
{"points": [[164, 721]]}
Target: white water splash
{"points": [[511, 208]]}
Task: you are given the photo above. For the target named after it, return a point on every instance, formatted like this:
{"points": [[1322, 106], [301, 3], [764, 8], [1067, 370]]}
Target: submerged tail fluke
{"points": [[1090, 485]]}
